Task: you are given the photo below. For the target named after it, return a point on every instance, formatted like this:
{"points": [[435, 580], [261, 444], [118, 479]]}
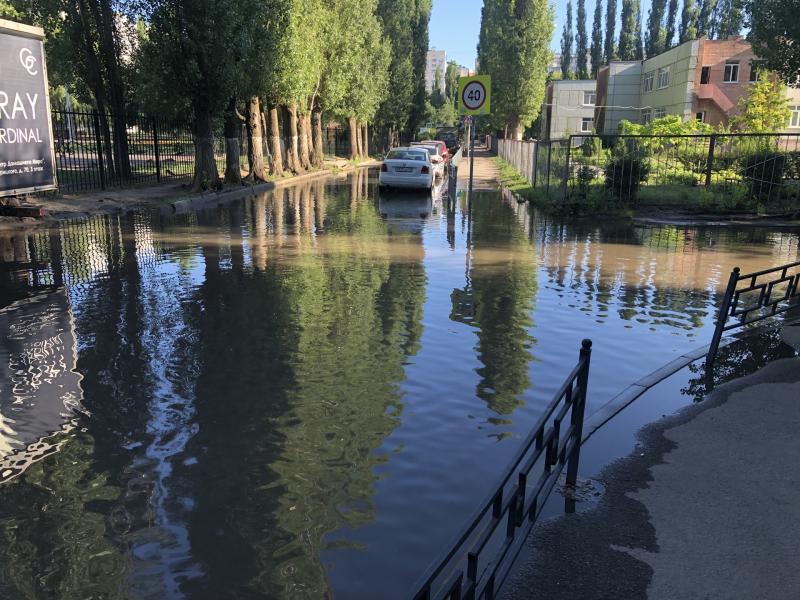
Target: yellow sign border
{"points": [[486, 81]]}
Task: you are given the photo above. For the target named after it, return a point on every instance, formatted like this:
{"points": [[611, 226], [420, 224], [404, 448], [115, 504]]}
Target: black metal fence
{"points": [[725, 170], [98, 151], [517, 500], [754, 297]]}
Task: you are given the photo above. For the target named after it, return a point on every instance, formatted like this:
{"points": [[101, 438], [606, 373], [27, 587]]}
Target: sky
{"points": [[455, 25]]}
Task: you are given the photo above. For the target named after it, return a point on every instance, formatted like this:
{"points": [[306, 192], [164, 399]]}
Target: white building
{"points": [[436, 60], [568, 108]]}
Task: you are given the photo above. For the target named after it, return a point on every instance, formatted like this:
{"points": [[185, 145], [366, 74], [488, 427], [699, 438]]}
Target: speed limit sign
{"points": [[475, 95]]}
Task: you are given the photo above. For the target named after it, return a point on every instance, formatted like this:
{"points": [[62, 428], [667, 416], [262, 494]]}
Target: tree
{"points": [[582, 42], [775, 35], [705, 19], [655, 36], [566, 44], [514, 49], [765, 109], [609, 50], [597, 38], [627, 34], [688, 29], [672, 21], [731, 18], [451, 77], [639, 37]]}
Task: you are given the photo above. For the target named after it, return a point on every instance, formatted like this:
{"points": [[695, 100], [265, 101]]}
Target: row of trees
{"points": [[514, 49], [664, 28], [271, 65]]}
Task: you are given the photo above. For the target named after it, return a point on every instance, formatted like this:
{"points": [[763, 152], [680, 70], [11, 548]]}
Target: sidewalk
{"points": [[486, 172], [122, 200], [706, 507]]}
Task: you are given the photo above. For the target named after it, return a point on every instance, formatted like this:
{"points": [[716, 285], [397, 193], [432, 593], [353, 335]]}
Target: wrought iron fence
{"points": [[517, 499], [728, 170], [98, 151], [754, 297]]}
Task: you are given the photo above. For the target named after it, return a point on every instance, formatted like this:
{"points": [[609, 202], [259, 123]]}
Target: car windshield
{"points": [[406, 155]]}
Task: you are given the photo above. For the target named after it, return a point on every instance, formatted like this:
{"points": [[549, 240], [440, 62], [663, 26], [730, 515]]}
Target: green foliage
{"points": [[706, 17], [592, 146], [582, 41], [7, 11], [669, 125], [596, 50], [775, 35], [609, 48], [688, 28], [566, 43], [655, 37], [624, 175], [763, 174], [672, 19], [451, 82], [765, 109], [514, 50], [627, 34], [731, 18]]}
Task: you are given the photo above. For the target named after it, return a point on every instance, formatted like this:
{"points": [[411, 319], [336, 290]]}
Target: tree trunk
{"points": [[305, 151], [206, 175], [319, 148], [255, 141], [294, 155], [359, 141], [516, 129], [276, 156], [365, 142], [233, 173], [310, 141], [353, 127]]}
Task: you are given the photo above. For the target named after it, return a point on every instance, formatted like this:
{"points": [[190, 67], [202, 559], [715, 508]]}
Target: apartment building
{"points": [[699, 79], [435, 60], [569, 108]]}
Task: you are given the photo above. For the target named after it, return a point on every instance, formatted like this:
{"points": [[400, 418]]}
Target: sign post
{"points": [[27, 160], [474, 98]]}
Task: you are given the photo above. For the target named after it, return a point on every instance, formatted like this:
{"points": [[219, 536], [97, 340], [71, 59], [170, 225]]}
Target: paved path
{"points": [[486, 172], [706, 508]]}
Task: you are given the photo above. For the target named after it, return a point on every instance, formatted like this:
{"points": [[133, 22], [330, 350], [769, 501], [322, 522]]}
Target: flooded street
{"points": [[307, 393]]}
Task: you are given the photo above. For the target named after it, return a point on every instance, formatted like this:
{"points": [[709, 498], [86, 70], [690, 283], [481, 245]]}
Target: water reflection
{"points": [[217, 404]]}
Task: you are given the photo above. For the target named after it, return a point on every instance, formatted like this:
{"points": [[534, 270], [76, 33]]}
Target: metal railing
{"points": [[754, 297], [516, 501]]}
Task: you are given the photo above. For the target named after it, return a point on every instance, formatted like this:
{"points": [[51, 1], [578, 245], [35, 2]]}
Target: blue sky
{"points": [[455, 25]]}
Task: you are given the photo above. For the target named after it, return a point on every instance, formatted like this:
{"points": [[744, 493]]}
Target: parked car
{"points": [[407, 168], [436, 159], [442, 148]]}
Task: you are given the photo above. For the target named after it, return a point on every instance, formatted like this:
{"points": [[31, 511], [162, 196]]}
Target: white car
{"points": [[436, 158], [407, 168]]}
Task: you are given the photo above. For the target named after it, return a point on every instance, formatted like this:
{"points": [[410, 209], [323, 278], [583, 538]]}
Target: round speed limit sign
{"points": [[473, 96]]}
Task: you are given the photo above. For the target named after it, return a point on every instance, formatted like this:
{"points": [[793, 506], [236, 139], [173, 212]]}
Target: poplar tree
{"points": [[654, 37], [582, 42], [514, 48], [672, 21], [705, 19], [639, 38], [627, 34], [566, 44], [597, 38], [688, 29], [609, 50], [731, 18]]}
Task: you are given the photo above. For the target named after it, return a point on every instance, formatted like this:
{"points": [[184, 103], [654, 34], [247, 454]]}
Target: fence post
{"points": [[566, 169], [549, 164], [710, 162], [99, 145], [722, 318], [157, 151], [535, 162], [578, 410]]}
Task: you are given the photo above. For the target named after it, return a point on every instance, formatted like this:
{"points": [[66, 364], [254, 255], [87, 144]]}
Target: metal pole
{"points": [[157, 151], [711, 145], [471, 155], [724, 309], [98, 142], [578, 410]]}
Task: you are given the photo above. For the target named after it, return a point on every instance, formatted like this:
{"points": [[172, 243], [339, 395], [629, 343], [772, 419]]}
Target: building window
{"points": [[587, 124], [663, 78], [755, 67], [589, 98], [731, 72], [659, 113], [794, 119], [648, 81], [700, 116], [647, 116], [705, 75]]}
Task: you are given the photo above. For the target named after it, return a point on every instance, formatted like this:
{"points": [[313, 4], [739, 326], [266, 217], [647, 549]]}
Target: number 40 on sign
{"points": [[475, 95]]}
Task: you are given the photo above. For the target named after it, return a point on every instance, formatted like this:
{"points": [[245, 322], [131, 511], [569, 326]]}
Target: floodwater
{"points": [[305, 394]]}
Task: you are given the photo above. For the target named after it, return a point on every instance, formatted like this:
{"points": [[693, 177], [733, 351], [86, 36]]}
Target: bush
{"points": [[592, 146], [763, 173], [624, 175]]}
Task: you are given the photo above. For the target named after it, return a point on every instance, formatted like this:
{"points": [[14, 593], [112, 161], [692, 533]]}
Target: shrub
{"points": [[625, 174], [592, 146], [763, 174]]}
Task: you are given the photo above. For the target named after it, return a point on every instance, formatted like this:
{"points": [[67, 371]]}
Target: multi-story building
{"points": [[700, 79], [435, 60], [568, 108]]}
